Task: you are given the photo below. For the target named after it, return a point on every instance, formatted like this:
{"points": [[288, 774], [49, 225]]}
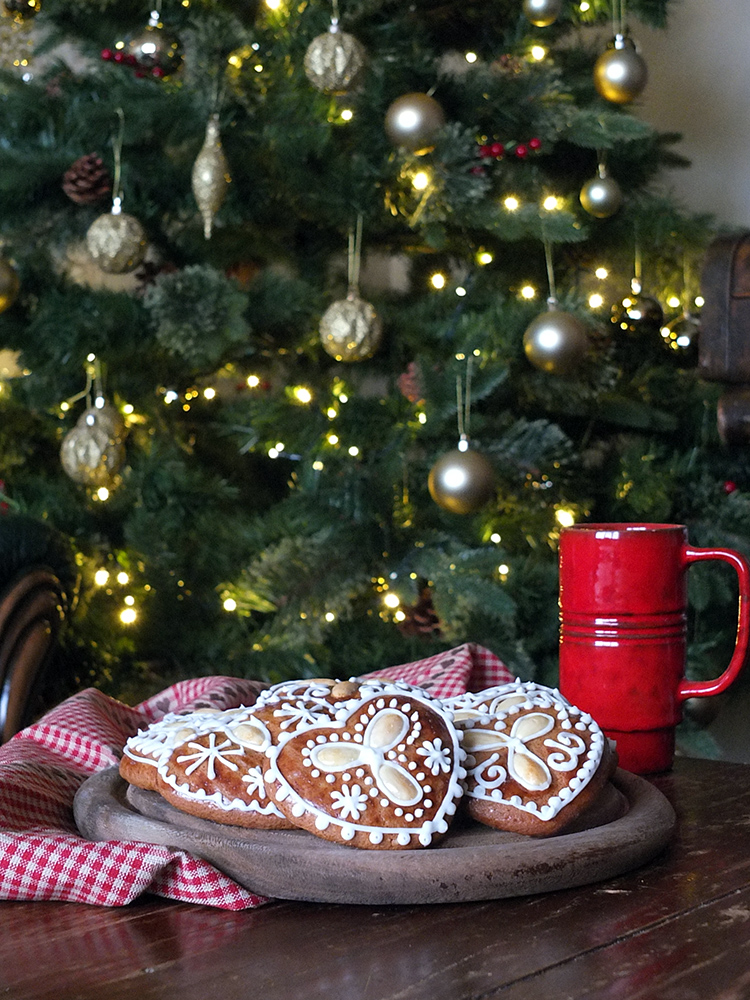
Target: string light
{"points": [[253, 381], [102, 494], [330, 616], [484, 257], [673, 302], [128, 616], [470, 57], [332, 412], [551, 203], [596, 301], [101, 577], [528, 292], [437, 280], [538, 52], [354, 451], [565, 517], [421, 180], [123, 578], [496, 538], [512, 203], [229, 604], [700, 301], [302, 394], [318, 466], [332, 438], [601, 273], [460, 291], [347, 114], [209, 393], [391, 600]]}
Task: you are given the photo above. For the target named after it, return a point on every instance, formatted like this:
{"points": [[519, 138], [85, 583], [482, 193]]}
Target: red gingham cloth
{"points": [[42, 855]]}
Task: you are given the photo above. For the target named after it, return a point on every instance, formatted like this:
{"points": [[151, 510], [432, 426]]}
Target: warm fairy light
{"points": [[129, 600], [512, 203], [253, 381], [584, 6], [391, 600], [302, 394], [258, 67], [463, 445], [332, 438], [229, 604], [437, 280], [347, 114], [496, 538], [354, 451], [102, 493], [128, 409], [318, 466], [332, 412], [209, 393], [91, 357], [503, 569], [601, 273], [128, 616], [122, 577], [673, 302], [551, 203], [470, 57], [528, 292], [564, 517], [596, 301], [665, 332], [273, 4], [422, 418], [484, 257], [343, 398], [65, 406], [460, 291], [170, 396], [699, 301], [273, 453], [421, 180], [538, 52], [101, 577], [330, 616], [399, 616], [460, 356]]}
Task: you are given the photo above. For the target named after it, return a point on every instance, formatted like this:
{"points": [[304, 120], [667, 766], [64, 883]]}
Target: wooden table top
{"points": [[676, 929]]}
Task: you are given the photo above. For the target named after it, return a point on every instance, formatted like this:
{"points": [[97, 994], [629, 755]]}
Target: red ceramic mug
{"points": [[623, 632]]}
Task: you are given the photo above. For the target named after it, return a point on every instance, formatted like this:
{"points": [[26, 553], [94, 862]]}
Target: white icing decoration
{"points": [[210, 755]]}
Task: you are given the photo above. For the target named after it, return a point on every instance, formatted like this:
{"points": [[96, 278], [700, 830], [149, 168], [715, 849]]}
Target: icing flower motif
{"points": [[209, 755], [352, 802], [384, 732], [524, 765], [437, 757], [255, 783]]}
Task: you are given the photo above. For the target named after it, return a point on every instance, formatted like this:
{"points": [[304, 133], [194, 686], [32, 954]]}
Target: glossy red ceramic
{"points": [[623, 632]]}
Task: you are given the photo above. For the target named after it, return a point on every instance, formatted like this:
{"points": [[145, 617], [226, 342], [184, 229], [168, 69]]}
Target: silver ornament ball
{"points": [[542, 13], [334, 61], [620, 73], [413, 121], [116, 242], [350, 329], [556, 342], [601, 196], [462, 481]]}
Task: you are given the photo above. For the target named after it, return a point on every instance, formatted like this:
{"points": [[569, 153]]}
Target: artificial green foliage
{"points": [[271, 497]]}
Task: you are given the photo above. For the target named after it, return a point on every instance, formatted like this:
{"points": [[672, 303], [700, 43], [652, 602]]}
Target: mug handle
{"points": [[697, 689]]}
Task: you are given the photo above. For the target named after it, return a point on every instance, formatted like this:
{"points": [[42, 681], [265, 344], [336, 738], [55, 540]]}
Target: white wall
{"points": [[699, 85]]}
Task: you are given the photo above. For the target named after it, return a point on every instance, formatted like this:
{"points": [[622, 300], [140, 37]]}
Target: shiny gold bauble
{"points": [[350, 329], [620, 73], [210, 178], [334, 61], [462, 481], [413, 121], [556, 342], [542, 13], [601, 196], [117, 242], [155, 50], [91, 453], [10, 285]]}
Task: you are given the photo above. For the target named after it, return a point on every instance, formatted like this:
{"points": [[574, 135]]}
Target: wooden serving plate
{"points": [[630, 824]]}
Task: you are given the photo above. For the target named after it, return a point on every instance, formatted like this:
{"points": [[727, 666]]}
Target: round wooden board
{"points": [[631, 824]]}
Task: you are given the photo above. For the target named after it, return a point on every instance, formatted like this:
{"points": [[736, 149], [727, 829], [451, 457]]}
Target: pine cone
{"points": [[87, 180], [421, 619]]}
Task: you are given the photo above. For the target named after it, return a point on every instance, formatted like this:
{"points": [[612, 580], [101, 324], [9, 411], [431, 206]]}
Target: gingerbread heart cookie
{"points": [[534, 761], [385, 773]]}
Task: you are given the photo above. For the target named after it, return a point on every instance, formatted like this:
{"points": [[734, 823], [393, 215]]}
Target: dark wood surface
{"points": [[677, 929], [618, 833]]}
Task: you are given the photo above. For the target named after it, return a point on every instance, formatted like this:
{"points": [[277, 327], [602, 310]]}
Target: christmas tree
{"points": [[321, 320]]}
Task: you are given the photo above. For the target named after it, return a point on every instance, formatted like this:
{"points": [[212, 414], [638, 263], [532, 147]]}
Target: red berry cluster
{"points": [[498, 151], [128, 59]]}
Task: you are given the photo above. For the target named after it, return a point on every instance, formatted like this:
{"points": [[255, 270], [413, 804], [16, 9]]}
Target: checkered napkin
{"points": [[42, 855]]}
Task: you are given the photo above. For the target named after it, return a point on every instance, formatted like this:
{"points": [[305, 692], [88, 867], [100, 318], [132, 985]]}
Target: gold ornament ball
{"points": [[601, 196], [334, 61], [620, 73], [412, 122], [350, 329], [90, 454], [116, 242], [10, 285], [542, 13], [210, 177], [462, 482], [556, 342]]}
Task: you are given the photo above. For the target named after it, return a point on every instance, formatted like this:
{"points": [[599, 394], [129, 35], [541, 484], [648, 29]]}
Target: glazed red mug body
{"points": [[623, 632]]}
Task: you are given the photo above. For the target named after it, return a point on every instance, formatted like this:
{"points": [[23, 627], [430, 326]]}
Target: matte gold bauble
{"points": [[601, 196], [91, 453], [116, 242], [350, 329], [462, 481], [210, 178], [334, 61], [620, 73], [556, 342], [413, 121], [542, 13], [10, 285]]}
